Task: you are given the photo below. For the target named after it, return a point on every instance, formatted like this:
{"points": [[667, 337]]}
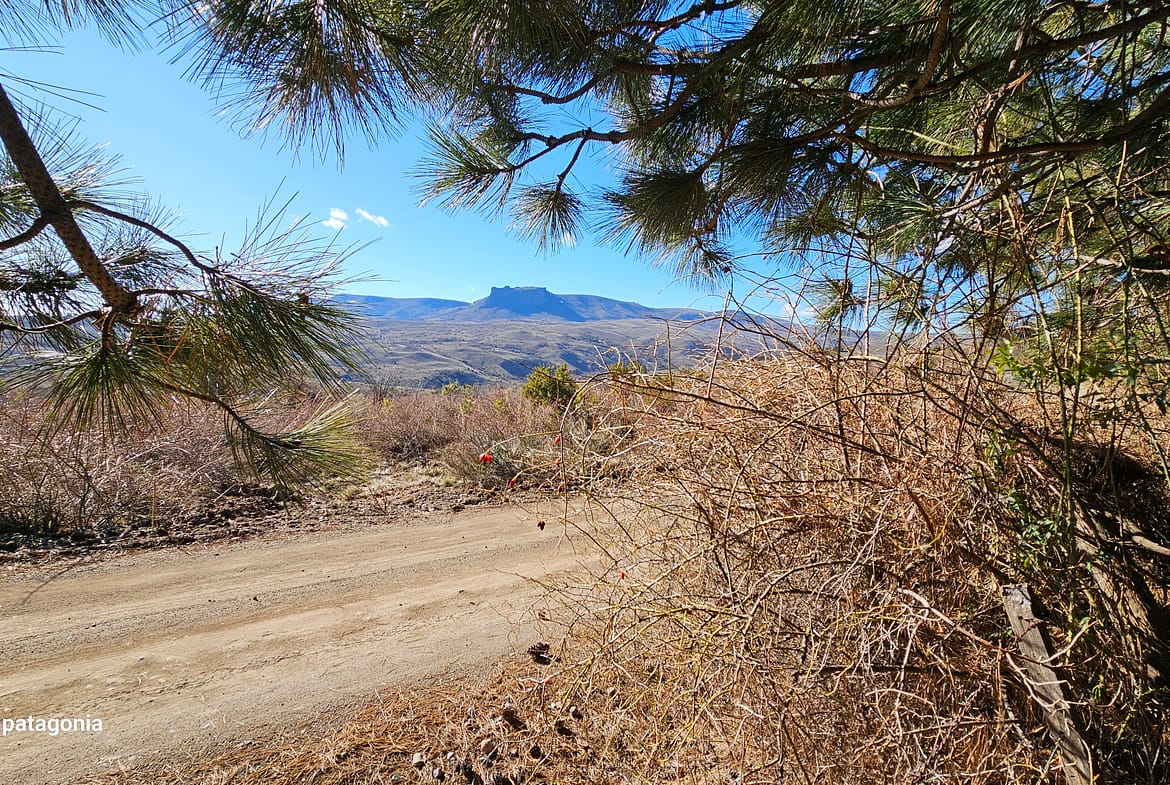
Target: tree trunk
{"points": [[55, 209]]}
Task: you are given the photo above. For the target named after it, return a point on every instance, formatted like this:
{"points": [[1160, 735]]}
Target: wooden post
{"points": [[1046, 686]]}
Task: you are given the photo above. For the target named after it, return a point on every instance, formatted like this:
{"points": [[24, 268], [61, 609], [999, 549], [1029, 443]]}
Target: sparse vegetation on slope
{"points": [[813, 560], [176, 481], [806, 569], [803, 575]]}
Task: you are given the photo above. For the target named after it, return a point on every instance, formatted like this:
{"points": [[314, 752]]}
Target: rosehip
{"points": [[485, 457]]}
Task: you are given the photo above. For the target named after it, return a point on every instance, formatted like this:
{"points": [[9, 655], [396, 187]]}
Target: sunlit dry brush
{"points": [[510, 728], [52, 480], [166, 479], [125, 486], [456, 425], [803, 580]]}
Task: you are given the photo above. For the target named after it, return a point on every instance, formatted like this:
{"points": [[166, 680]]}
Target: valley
{"points": [[499, 340]]}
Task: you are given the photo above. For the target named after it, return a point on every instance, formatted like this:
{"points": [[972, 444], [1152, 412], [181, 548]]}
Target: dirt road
{"points": [[176, 650]]}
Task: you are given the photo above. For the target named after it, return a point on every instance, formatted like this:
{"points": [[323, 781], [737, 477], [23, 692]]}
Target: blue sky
{"points": [[173, 142]]}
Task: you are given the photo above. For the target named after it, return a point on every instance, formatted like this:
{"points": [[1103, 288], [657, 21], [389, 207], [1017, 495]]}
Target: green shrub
{"points": [[625, 370], [552, 386]]}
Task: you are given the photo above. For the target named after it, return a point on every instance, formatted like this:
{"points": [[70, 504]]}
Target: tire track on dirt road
{"points": [[179, 650]]}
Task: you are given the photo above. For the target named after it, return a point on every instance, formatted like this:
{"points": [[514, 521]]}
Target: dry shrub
{"points": [[410, 425], [118, 485], [803, 577], [456, 425], [520, 726], [800, 581], [52, 481], [94, 486]]}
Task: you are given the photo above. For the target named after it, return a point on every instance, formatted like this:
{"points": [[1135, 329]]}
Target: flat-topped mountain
{"points": [[522, 302], [511, 303], [500, 339]]}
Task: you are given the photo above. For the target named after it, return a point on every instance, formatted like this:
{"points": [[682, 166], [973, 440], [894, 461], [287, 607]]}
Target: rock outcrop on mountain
{"points": [[500, 339], [514, 302]]}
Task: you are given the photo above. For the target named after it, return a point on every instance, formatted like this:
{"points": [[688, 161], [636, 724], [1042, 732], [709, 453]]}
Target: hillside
{"points": [[508, 302], [500, 339]]}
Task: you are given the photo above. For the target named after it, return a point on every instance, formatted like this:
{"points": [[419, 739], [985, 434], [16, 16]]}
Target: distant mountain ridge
{"points": [[512, 303], [500, 339]]}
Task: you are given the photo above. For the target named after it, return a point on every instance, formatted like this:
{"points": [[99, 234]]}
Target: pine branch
{"points": [[38, 226], [54, 208]]}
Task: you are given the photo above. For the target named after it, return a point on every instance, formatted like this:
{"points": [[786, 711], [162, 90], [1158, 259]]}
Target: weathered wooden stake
{"points": [[1046, 686]]}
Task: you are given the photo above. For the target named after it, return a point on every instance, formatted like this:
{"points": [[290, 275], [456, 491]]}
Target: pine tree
{"points": [[777, 123], [114, 318]]}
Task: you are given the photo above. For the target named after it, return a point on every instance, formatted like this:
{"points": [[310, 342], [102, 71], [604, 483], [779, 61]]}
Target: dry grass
{"points": [[458, 424], [810, 582], [525, 723], [801, 581], [55, 482]]}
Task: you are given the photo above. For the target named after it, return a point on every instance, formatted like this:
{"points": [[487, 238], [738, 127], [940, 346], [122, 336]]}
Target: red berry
{"points": [[485, 457], [557, 440], [622, 574], [557, 461]]}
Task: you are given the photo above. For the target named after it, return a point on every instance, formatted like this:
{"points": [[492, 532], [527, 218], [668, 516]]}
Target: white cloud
{"points": [[796, 311], [337, 219], [380, 220]]}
